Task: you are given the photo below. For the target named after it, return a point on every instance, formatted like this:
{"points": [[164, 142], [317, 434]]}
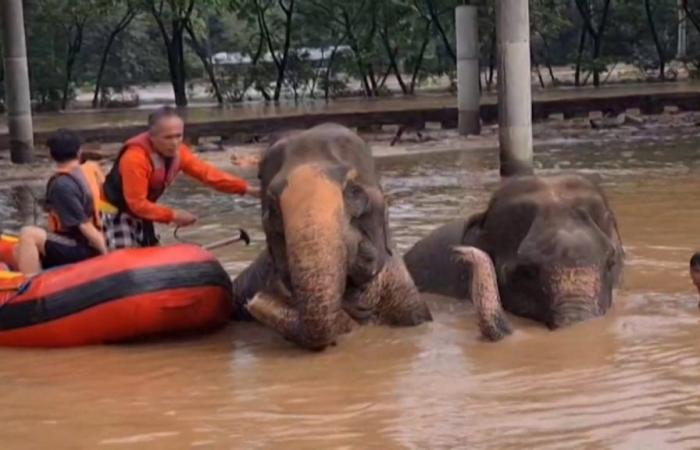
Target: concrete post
{"points": [[468, 101], [17, 95], [514, 96], [682, 32]]}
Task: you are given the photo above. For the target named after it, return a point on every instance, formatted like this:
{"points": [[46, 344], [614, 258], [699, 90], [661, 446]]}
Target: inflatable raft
{"points": [[126, 295]]}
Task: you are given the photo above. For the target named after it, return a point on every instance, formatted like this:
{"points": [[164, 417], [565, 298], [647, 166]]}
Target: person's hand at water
{"points": [[244, 161], [183, 218]]}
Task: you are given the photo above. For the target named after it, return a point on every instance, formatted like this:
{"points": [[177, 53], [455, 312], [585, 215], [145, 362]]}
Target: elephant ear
{"points": [[473, 229]]}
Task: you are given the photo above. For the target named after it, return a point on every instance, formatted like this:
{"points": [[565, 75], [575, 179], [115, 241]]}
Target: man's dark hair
{"points": [[695, 261], [161, 113], [64, 145]]}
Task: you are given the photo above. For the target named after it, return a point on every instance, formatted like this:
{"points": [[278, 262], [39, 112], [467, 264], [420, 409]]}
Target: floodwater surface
{"points": [[625, 381], [108, 118]]}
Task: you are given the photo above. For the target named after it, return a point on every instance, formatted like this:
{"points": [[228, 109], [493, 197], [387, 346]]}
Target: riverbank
{"points": [[669, 127], [246, 124]]}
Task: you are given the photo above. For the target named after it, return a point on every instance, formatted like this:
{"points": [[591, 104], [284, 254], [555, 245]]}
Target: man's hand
{"points": [[183, 218], [253, 192], [244, 161], [94, 237]]}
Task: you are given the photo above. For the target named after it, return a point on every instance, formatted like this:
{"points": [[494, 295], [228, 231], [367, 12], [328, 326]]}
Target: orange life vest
{"points": [[160, 177], [89, 177]]}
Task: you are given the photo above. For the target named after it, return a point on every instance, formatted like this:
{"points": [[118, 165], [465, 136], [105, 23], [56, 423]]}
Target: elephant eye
{"points": [[528, 272], [354, 190], [357, 200]]}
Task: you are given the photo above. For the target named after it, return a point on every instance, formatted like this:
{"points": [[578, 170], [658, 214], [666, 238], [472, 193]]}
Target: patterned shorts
{"points": [[123, 230]]}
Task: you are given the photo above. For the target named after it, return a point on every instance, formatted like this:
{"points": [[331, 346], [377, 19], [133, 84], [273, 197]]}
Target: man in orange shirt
{"points": [[147, 164]]}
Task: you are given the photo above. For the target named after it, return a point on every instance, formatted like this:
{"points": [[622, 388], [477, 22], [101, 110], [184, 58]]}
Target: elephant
{"points": [[545, 248], [328, 264]]}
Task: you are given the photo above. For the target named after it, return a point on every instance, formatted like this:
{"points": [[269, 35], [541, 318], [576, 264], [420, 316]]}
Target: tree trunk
{"points": [[690, 15], [579, 55], [204, 54], [538, 72], [657, 43], [436, 20], [358, 61], [175, 49], [100, 72], [331, 59], [73, 49], [393, 64], [180, 79], [282, 66], [373, 80], [419, 60], [547, 62], [123, 24], [492, 59]]}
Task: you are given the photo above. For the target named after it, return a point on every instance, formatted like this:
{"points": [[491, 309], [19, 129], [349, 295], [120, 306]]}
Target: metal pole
{"points": [[514, 96], [17, 94], [468, 69]]}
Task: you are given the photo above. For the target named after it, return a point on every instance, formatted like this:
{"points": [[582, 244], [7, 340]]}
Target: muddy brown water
{"points": [[628, 380], [252, 110]]}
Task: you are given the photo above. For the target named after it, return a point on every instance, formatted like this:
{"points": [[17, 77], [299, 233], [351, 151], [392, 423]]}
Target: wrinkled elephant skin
{"points": [[547, 249], [329, 263]]}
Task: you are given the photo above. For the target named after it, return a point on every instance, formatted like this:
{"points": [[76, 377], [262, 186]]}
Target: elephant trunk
{"points": [[575, 295], [493, 322], [313, 211]]}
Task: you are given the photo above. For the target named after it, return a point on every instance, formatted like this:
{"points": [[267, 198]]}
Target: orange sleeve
{"points": [[210, 175], [135, 169]]}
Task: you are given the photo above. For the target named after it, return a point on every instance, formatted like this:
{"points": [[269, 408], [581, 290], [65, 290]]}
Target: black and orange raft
{"points": [[123, 296]]}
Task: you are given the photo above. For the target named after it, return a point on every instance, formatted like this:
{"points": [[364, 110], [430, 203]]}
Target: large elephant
{"points": [[547, 249], [329, 263]]}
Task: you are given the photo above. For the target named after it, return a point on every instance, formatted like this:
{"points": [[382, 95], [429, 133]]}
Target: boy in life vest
{"points": [[72, 202], [147, 164]]}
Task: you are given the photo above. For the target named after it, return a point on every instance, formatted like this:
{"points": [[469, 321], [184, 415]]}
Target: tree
{"points": [[172, 17], [594, 17], [275, 21], [436, 11], [119, 14], [60, 29], [660, 16], [548, 20], [52, 51], [197, 30], [405, 35]]}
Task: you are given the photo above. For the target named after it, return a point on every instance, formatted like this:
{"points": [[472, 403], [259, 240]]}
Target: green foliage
{"points": [[387, 40]]}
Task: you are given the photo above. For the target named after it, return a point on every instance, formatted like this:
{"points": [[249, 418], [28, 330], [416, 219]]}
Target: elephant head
{"points": [[554, 246], [325, 221]]}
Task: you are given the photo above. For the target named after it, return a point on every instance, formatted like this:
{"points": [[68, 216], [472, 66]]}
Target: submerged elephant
{"points": [[547, 248], [329, 263]]}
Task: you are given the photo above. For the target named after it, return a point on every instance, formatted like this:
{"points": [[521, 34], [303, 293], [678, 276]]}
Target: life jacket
{"points": [[89, 177], [113, 189]]}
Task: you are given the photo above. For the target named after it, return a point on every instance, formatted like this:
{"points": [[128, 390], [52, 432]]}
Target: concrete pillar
{"points": [[682, 32], [466, 19], [514, 96], [17, 94]]}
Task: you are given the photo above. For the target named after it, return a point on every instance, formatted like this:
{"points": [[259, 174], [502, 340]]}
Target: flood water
{"points": [[78, 119], [626, 381]]}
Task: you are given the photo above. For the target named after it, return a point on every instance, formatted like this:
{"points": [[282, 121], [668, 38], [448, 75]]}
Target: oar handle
{"points": [[242, 236]]}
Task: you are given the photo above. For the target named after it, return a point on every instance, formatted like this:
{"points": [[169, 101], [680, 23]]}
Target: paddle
{"points": [[242, 236]]}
